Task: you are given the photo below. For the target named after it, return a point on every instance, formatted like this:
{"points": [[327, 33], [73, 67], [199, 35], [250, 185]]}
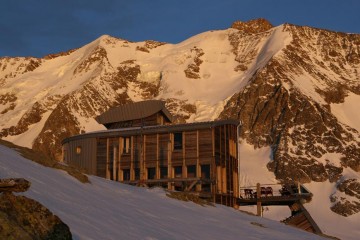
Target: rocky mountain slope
{"points": [[294, 88]]}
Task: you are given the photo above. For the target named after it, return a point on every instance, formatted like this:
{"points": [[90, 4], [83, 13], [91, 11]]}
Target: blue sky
{"points": [[40, 27]]}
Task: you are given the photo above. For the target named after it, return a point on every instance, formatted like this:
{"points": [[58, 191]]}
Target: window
{"points": [[163, 172], [205, 171], [151, 172], [137, 173], [191, 171], [78, 150], [160, 120], [178, 171], [205, 174], [126, 174], [232, 148], [126, 145], [178, 143]]}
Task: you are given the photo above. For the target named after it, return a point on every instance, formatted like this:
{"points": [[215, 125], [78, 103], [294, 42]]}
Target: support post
{"points": [[157, 157], [114, 162], [107, 158], [170, 170], [198, 169], [258, 202]]}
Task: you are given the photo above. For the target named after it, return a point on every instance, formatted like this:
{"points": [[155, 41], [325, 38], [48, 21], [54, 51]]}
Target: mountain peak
{"points": [[253, 26]]}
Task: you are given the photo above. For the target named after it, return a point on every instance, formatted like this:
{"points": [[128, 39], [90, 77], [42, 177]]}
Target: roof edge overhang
{"points": [[149, 107], [152, 129]]}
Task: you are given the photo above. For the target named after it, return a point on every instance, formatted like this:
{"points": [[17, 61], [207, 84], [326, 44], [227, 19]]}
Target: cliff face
{"points": [[294, 89]]}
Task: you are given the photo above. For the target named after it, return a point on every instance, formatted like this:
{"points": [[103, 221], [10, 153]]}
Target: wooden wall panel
{"points": [[101, 157], [205, 146], [150, 149], [190, 147], [163, 148], [86, 158], [177, 158]]}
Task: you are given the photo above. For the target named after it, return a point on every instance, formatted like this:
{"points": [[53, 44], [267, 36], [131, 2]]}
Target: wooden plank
{"points": [[184, 169], [120, 173], [101, 157], [171, 180], [170, 169], [190, 147], [205, 143], [157, 158], [114, 162], [198, 170], [192, 184], [142, 155], [132, 149]]}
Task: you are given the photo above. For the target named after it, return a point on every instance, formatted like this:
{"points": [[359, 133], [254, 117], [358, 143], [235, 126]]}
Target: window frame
{"points": [[178, 141], [78, 150], [126, 145]]}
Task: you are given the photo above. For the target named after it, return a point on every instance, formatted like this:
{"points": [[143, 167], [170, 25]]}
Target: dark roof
{"points": [[132, 111], [152, 129]]}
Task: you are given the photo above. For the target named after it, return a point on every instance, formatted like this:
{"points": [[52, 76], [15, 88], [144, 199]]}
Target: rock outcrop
{"points": [[253, 26], [24, 218]]}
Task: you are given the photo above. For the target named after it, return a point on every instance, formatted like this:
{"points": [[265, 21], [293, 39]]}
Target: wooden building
{"points": [[141, 146]]}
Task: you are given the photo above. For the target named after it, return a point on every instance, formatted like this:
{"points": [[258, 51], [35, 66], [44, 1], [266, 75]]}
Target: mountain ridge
{"points": [[285, 83]]}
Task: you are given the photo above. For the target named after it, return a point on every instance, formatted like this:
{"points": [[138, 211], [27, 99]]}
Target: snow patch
{"points": [[329, 222], [348, 111], [27, 138], [206, 112], [150, 77]]}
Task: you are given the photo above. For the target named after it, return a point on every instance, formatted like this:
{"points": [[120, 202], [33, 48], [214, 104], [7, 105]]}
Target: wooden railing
{"points": [[271, 190]]}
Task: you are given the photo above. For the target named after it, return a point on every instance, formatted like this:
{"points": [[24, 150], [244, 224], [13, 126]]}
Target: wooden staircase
{"points": [[292, 195], [301, 218]]}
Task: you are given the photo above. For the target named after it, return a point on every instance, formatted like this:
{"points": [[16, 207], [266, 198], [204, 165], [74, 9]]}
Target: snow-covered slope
{"points": [[110, 210]]}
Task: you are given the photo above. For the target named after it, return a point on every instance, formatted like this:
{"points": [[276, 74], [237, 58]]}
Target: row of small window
{"points": [[126, 143], [178, 142], [151, 172]]}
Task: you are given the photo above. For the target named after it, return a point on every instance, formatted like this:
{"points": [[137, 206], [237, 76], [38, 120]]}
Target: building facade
{"points": [[141, 146]]}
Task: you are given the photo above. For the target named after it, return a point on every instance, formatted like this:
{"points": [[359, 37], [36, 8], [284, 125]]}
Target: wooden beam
{"points": [[120, 175], [191, 186], [132, 149], [157, 157], [198, 170], [184, 168], [170, 170], [142, 157], [107, 159], [258, 196], [171, 180], [213, 187], [114, 162]]}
